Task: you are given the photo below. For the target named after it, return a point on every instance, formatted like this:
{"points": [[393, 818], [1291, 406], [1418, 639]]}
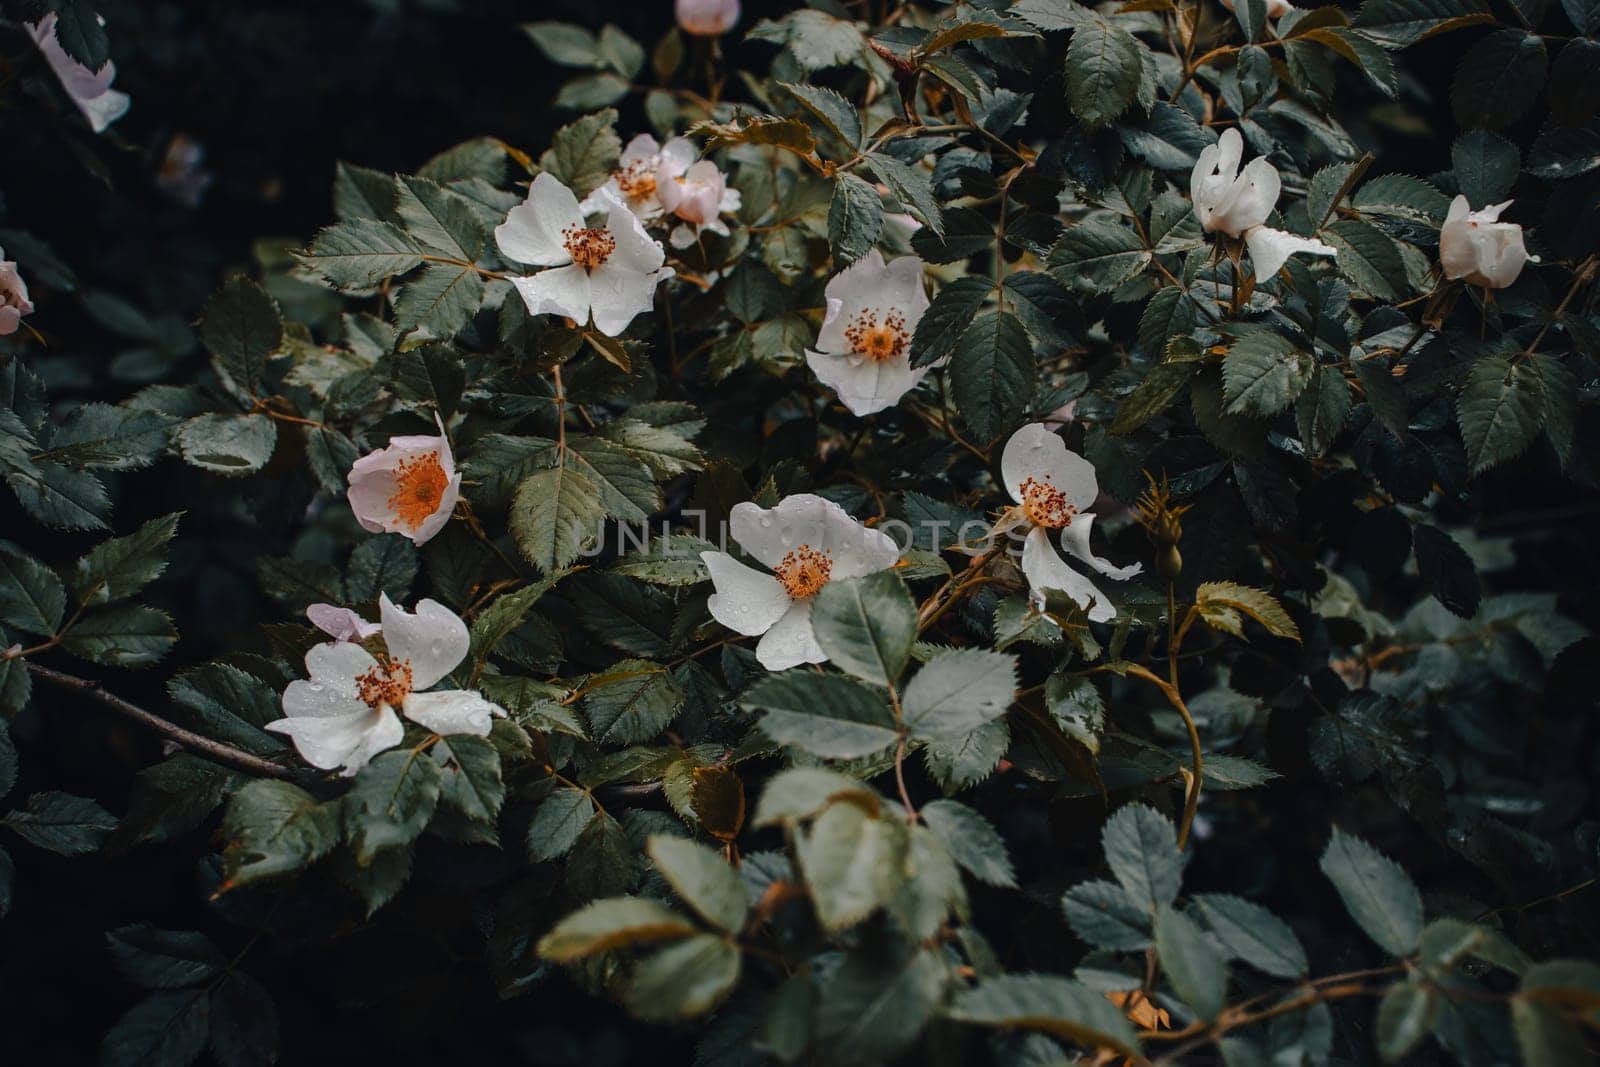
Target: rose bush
{"points": [[885, 539]]}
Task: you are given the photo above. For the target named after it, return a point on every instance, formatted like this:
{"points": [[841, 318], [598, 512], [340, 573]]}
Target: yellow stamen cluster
{"points": [[588, 246], [637, 181], [1047, 506], [878, 340], [419, 485], [803, 572], [387, 683]]}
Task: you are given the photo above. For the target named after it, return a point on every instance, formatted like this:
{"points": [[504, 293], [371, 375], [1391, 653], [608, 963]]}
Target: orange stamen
{"points": [[387, 683], [588, 246], [878, 341], [419, 485], [1045, 505], [804, 571]]}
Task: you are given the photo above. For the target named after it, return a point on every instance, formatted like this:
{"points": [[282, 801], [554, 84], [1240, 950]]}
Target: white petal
{"points": [[806, 519], [1075, 539], [636, 250], [1250, 199], [684, 235], [1034, 452], [1460, 208], [791, 641], [642, 149], [1230, 150], [677, 155], [1270, 249], [341, 624], [746, 601], [532, 230], [349, 741], [1046, 570], [455, 711], [863, 284], [618, 295], [831, 337], [559, 291], [104, 109], [320, 700], [433, 638], [337, 664], [865, 385]]}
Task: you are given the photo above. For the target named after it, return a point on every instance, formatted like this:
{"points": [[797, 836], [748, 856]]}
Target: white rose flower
{"points": [[409, 487], [14, 302], [89, 89], [1053, 489], [1239, 204], [345, 714], [807, 541], [634, 179], [707, 18], [864, 347], [609, 271], [699, 195], [1478, 247], [341, 624]]}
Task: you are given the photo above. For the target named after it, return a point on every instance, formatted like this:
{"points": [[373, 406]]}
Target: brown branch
{"points": [[196, 743]]}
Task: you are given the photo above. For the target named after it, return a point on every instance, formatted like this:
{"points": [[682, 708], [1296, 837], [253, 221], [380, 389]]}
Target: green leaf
{"points": [[910, 185], [1499, 411], [61, 823], [582, 154], [61, 498], [992, 373], [875, 1003], [1141, 849], [1322, 409], [669, 560], [80, 33], [943, 325], [554, 515], [111, 437], [391, 802], [1104, 66], [440, 300], [1159, 388], [800, 792], [1401, 23], [1096, 256], [1221, 604], [957, 692], [833, 111], [1485, 165], [1107, 916], [853, 864], [1552, 992], [362, 193], [557, 823], [1376, 891], [442, 221], [1050, 1004], [1191, 961], [243, 329], [564, 43], [1367, 257], [823, 714], [122, 566], [1251, 16], [705, 881], [229, 705], [1498, 79], [31, 595], [166, 1029], [164, 959], [1404, 1016], [1077, 707], [971, 841], [1447, 571], [684, 979], [244, 1023], [356, 256], [1263, 374], [505, 613], [383, 564], [605, 925], [472, 782], [632, 701], [1045, 307], [866, 626], [273, 828], [234, 445], [123, 635], [855, 219], [1252, 933]]}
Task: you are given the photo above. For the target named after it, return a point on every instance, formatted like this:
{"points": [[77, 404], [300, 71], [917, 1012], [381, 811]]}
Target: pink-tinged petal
{"points": [[791, 641], [1034, 452], [642, 149], [707, 18], [746, 601], [677, 156], [769, 534], [1075, 539], [432, 638], [1046, 570], [341, 624], [533, 230], [453, 712], [635, 250]]}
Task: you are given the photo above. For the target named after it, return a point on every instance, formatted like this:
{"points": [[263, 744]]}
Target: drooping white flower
{"points": [[864, 347], [14, 302], [699, 195], [1276, 9], [609, 271], [89, 89], [707, 18], [807, 541], [409, 487], [1239, 204], [348, 710], [341, 624], [1054, 489], [1478, 247]]}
